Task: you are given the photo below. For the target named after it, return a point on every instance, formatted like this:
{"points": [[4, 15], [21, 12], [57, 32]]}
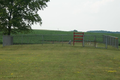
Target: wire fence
{"points": [[93, 41], [41, 39], [89, 40], [111, 40], [101, 41]]}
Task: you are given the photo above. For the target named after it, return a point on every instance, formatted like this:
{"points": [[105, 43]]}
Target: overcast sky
{"points": [[81, 15]]}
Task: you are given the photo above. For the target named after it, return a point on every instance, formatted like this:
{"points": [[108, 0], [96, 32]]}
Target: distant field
{"points": [[38, 39], [69, 32], [57, 62], [50, 32]]}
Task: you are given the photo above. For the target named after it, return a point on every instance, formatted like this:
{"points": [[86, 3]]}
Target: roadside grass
{"points": [[57, 62]]}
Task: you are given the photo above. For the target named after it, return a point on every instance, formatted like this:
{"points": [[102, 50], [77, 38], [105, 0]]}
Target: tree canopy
{"points": [[19, 15]]}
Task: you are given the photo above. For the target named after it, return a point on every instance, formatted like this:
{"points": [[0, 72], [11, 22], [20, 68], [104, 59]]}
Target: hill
{"points": [[102, 31]]}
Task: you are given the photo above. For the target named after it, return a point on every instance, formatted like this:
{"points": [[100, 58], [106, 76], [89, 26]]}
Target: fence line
{"points": [[111, 40], [89, 40], [93, 40], [41, 39]]}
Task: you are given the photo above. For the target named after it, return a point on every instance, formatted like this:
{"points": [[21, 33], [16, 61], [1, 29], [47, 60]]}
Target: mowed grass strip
{"points": [[57, 62]]}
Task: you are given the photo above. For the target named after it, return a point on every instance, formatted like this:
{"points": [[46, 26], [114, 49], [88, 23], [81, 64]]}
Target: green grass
{"points": [[57, 62]]}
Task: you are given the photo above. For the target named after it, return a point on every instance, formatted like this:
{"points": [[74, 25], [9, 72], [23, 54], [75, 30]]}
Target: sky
{"points": [[81, 15]]}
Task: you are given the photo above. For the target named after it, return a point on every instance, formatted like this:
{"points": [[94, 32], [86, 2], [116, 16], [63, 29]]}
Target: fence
{"points": [[89, 40], [41, 39], [93, 40], [111, 40], [101, 41]]}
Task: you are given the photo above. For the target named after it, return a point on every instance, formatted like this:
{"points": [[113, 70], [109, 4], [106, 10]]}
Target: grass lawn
{"points": [[57, 62]]}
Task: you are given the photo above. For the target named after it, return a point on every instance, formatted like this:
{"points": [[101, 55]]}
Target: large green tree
{"points": [[19, 15]]}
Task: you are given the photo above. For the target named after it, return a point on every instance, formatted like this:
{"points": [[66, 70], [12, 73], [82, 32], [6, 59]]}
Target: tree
{"points": [[19, 15], [75, 31]]}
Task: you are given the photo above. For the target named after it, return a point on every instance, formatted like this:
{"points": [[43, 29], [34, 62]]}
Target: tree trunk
{"points": [[9, 25], [9, 30]]}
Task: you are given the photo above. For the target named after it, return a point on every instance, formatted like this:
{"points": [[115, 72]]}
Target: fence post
{"points": [[21, 39], [118, 43], [95, 41], [106, 41], [83, 40], [42, 40], [115, 42], [59, 38], [62, 39], [73, 38]]}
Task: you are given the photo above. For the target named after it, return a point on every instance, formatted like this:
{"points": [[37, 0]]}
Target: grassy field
{"points": [[57, 62], [69, 32]]}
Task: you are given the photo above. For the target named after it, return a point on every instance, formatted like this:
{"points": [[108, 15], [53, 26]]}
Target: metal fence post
{"points": [[112, 42], [83, 40], [62, 40], [21, 39], [115, 42], [94, 41], [59, 38], [42, 40], [106, 41], [118, 43]]}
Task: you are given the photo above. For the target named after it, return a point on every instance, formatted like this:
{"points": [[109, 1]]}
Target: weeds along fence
{"points": [[89, 40]]}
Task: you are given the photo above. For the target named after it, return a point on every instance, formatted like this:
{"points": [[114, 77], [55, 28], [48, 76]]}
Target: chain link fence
{"points": [[101, 41], [42, 39], [111, 40], [94, 41], [89, 40]]}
